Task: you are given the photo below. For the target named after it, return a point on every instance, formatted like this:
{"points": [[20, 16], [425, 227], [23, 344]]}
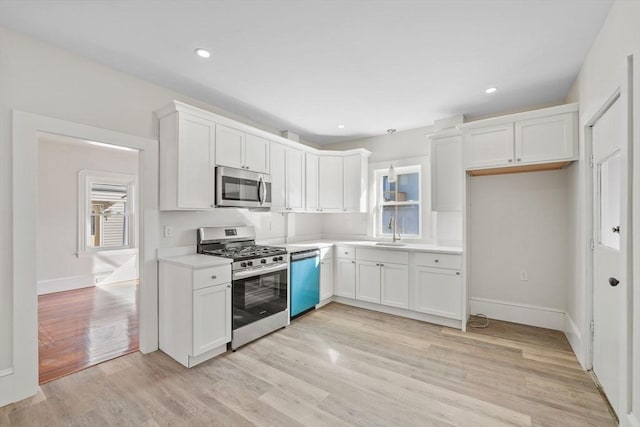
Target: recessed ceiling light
{"points": [[340, 126], [491, 90], [203, 53]]}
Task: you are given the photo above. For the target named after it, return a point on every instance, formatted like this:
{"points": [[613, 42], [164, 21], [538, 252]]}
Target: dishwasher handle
{"points": [[297, 256]]}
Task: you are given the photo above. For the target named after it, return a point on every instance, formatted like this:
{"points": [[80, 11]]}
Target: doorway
{"points": [[87, 252]]}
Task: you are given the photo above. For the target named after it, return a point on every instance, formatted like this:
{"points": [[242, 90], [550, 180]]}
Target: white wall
{"points": [[59, 161], [601, 73], [519, 222], [40, 78]]}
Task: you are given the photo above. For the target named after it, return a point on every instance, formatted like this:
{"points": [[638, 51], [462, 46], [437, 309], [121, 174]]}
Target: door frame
{"points": [[623, 93], [21, 380]]}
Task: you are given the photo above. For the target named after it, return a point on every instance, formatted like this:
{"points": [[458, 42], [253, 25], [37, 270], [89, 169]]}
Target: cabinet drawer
{"points": [[211, 276], [382, 255], [345, 252], [439, 260]]}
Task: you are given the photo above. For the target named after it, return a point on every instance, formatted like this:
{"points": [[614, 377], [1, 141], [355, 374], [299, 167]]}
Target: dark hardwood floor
{"points": [[338, 366], [83, 327]]}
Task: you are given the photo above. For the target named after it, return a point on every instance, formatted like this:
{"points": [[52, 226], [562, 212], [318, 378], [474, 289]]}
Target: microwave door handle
{"points": [[263, 197], [260, 184]]}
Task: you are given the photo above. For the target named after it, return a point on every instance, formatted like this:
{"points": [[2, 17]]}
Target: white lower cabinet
{"points": [[438, 291], [368, 281], [394, 290], [194, 311], [211, 318], [326, 280], [346, 278]]}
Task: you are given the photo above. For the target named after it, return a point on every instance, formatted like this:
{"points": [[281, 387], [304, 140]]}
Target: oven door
{"points": [[242, 188], [258, 294]]}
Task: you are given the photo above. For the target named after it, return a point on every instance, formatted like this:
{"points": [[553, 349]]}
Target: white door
{"points": [[229, 146], [311, 187], [256, 154], [326, 280], [353, 193], [295, 179], [330, 183], [346, 278], [394, 287], [211, 318], [489, 146], [608, 294], [195, 163], [278, 161]]}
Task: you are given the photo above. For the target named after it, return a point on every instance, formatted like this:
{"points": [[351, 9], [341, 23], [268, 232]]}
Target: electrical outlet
{"points": [[524, 276], [169, 231]]}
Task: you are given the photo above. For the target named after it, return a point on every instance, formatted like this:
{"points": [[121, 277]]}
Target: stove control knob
{"points": [[275, 258], [263, 261], [243, 264], [279, 258], [250, 263]]}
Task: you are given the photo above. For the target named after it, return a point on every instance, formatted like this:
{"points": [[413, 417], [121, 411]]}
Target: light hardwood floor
{"points": [[338, 366]]}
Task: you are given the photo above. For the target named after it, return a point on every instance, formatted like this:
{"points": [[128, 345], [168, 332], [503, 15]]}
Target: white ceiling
{"points": [[307, 66]]}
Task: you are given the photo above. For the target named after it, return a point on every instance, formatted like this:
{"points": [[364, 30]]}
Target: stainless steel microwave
{"points": [[242, 188]]}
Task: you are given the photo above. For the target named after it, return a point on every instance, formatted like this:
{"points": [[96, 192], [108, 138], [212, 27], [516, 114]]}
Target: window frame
{"points": [[86, 179], [379, 203]]}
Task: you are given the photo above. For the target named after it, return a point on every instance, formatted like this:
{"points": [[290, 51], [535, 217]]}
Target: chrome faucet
{"points": [[393, 225]]}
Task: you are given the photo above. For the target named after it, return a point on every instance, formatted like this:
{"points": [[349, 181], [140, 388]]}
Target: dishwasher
{"points": [[304, 281]]}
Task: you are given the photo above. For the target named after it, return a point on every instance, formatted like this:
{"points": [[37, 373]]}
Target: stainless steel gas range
{"points": [[259, 281]]}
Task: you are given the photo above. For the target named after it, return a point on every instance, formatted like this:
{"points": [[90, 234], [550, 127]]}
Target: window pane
{"points": [[408, 188], [408, 219], [109, 216]]}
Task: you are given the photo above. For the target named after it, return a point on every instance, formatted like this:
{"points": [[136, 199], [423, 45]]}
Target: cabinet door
{"points": [[489, 146], [368, 281], [211, 318], [196, 175], [311, 186], [229, 147], [346, 278], [256, 154], [278, 155], [354, 192], [326, 280], [446, 174], [295, 179], [330, 183], [545, 139], [438, 291], [395, 285]]}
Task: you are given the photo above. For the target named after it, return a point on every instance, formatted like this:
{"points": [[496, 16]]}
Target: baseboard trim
{"points": [[78, 282], [633, 420], [6, 372], [452, 323], [572, 332], [543, 317]]}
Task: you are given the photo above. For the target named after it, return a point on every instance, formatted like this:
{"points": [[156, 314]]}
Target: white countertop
{"points": [[411, 247], [196, 260]]}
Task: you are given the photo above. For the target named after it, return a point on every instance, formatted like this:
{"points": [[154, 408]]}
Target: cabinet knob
{"points": [[510, 160], [457, 273], [214, 277], [228, 286], [436, 260], [518, 159], [353, 262], [381, 265]]}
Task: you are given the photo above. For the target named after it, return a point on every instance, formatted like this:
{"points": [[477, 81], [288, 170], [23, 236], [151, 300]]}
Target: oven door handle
{"points": [[259, 271]]}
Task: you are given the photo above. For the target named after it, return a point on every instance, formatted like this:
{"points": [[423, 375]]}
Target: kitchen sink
{"points": [[390, 244]]}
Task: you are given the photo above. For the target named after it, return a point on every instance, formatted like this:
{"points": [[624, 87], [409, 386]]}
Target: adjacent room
{"points": [[312, 213]]}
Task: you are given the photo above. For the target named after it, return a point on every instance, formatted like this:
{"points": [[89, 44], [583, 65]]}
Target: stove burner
{"points": [[245, 252]]}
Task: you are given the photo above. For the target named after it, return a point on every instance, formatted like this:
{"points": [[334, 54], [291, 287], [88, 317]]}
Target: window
{"points": [[106, 220], [399, 202]]}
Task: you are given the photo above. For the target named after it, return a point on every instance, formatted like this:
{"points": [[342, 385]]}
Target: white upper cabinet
{"points": [[295, 179], [535, 140], [355, 183], [278, 157], [311, 185], [256, 154], [287, 178], [187, 147], [545, 139], [240, 150], [331, 183], [489, 146], [446, 173]]}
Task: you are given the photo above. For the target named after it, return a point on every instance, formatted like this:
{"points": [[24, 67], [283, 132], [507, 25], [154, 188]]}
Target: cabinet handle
{"points": [[377, 265], [353, 262], [381, 265], [457, 273], [510, 160], [436, 260], [518, 159], [228, 286], [214, 277]]}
